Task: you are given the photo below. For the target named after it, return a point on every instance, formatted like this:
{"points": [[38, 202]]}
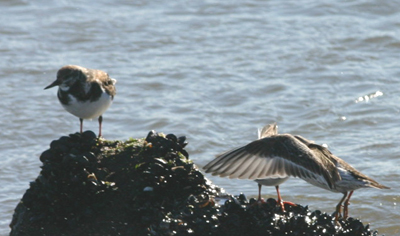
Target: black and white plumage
{"points": [[85, 93], [285, 155]]}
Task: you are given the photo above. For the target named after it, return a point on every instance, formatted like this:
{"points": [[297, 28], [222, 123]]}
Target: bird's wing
{"points": [[102, 79], [277, 156]]}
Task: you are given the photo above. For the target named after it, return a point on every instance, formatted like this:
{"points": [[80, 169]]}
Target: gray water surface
{"points": [[215, 72]]}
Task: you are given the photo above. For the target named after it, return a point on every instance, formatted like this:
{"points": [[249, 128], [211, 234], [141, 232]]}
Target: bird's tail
{"points": [[374, 184]]}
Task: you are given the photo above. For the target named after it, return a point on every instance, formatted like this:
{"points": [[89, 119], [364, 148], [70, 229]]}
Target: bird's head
{"points": [[68, 75]]}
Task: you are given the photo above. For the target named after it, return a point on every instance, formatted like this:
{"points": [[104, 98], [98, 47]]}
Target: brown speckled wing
{"points": [[100, 79], [277, 156], [104, 80], [108, 85]]}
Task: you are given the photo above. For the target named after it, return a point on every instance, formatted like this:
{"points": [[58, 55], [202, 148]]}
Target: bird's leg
{"points": [[346, 206], [339, 207], [100, 121], [259, 200], [81, 121], [259, 193], [280, 202]]}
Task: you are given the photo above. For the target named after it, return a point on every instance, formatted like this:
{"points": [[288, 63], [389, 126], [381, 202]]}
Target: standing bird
{"points": [[284, 155], [85, 93], [266, 131]]}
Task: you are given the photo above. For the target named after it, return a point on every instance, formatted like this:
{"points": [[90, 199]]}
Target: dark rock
{"points": [[91, 186], [89, 135], [182, 141], [172, 137]]}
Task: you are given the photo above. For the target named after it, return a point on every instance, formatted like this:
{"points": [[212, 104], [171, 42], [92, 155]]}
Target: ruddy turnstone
{"points": [[85, 93], [284, 155], [267, 131]]}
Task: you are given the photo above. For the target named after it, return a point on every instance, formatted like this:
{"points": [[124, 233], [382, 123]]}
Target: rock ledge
{"points": [[91, 186]]}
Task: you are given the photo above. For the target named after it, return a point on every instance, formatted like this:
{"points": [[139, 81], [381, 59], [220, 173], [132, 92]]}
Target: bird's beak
{"points": [[55, 83]]}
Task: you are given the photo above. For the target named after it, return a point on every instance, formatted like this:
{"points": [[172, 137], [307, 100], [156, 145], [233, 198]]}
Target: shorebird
{"points": [[85, 93], [284, 155], [267, 131]]}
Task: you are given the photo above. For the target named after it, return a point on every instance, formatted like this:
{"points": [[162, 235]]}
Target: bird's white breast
{"points": [[88, 109], [271, 181]]}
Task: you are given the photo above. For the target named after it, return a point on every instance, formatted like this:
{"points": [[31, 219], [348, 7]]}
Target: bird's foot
{"points": [[260, 201], [289, 203], [283, 203], [336, 216]]}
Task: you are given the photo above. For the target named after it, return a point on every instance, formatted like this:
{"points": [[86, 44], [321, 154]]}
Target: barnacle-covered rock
{"points": [[91, 186]]}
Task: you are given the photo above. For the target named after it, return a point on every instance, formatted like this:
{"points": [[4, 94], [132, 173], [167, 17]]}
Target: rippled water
{"points": [[215, 72]]}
